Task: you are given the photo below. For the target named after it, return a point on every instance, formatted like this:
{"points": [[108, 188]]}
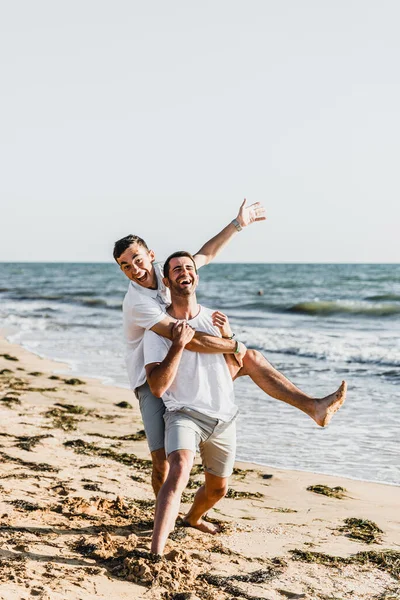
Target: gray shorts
{"points": [[152, 410], [187, 429]]}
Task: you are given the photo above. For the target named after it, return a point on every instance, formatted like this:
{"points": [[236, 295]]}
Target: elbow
{"points": [[156, 389]]}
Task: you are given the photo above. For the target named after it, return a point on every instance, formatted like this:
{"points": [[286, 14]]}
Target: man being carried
{"points": [[197, 390], [144, 308]]}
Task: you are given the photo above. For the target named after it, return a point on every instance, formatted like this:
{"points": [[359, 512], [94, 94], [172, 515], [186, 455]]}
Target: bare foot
{"points": [[203, 526], [326, 407]]}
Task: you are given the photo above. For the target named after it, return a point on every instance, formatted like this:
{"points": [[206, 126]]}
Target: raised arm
{"points": [[161, 375], [246, 216]]}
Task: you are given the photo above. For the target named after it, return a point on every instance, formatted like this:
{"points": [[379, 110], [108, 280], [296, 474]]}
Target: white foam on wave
{"points": [[333, 346]]}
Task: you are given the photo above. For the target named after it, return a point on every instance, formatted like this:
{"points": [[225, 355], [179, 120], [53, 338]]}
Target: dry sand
{"points": [[76, 510]]}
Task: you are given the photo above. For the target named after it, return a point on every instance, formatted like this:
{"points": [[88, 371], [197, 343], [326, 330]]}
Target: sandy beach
{"points": [[77, 508]]}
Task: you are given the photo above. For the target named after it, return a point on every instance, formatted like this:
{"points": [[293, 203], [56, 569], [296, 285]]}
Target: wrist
{"points": [[177, 345], [229, 337], [238, 226]]}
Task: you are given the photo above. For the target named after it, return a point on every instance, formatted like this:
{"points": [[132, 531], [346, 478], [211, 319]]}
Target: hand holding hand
{"points": [[221, 321], [250, 214], [182, 334]]}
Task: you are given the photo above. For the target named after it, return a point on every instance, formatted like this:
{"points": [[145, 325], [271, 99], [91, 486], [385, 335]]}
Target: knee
{"points": [[218, 491], [254, 358], [179, 468]]}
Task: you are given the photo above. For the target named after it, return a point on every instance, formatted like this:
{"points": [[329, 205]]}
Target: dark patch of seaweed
{"points": [[74, 409], [30, 465], [124, 404], [235, 494], [74, 381], [274, 569], [9, 357], [26, 442], [385, 560], [81, 447], [24, 505], [325, 490], [132, 437], [362, 530], [61, 419]]}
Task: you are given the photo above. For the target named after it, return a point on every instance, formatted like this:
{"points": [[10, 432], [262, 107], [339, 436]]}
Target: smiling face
{"points": [[182, 277], [137, 264]]}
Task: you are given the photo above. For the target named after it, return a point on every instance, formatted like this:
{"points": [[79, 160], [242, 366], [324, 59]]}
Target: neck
{"points": [[184, 307], [154, 283]]}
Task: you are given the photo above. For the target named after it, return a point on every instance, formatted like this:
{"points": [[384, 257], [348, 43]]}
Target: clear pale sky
{"points": [[158, 118]]}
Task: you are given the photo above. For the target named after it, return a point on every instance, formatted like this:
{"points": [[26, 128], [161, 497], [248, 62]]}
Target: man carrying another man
{"points": [[197, 390], [144, 308]]}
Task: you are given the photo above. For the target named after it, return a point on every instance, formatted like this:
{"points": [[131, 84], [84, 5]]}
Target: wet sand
{"points": [[76, 510]]}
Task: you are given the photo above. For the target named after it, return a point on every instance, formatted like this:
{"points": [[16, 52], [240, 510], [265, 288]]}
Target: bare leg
{"points": [[206, 497], [160, 469], [273, 383], [169, 497]]}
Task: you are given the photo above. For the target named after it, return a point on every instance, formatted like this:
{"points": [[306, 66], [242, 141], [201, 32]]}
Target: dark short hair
{"points": [[178, 254], [121, 245]]}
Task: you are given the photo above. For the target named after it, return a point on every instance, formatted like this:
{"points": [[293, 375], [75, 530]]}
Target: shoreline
{"points": [[108, 382], [77, 507]]}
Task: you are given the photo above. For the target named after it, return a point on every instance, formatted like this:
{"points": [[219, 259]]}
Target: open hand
{"points": [[250, 214], [221, 321]]}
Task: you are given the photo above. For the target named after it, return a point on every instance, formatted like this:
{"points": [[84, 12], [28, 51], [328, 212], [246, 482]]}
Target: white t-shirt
{"points": [[142, 309], [203, 381]]}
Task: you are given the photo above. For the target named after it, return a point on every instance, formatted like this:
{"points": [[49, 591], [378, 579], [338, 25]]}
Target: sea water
{"points": [[316, 323]]}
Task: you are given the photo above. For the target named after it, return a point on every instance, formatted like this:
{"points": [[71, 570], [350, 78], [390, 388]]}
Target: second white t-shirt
{"points": [[203, 381]]}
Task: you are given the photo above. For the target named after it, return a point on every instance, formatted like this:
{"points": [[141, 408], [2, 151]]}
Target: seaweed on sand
{"points": [[362, 530], [274, 569], [137, 478], [26, 442], [30, 465], [10, 399], [74, 409], [62, 415], [335, 492], [192, 484], [132, 437], [9, 357], [280, 509], [81, 447], [93, 487], [187, 498], [124, 404], [385, 560], [74, 381], [12, 568], [61, 419], [24, 505], [235, 494], [241, 473]]}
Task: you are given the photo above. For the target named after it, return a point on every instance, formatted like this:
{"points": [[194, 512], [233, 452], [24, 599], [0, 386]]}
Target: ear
{"points": [[166, 282], [152, 255]]}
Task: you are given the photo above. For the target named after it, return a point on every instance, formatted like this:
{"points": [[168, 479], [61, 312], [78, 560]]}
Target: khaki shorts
{"points": [[187, 429]]}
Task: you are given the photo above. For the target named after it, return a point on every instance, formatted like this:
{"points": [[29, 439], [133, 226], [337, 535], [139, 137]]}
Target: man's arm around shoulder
{"points": [[202, 342]]}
